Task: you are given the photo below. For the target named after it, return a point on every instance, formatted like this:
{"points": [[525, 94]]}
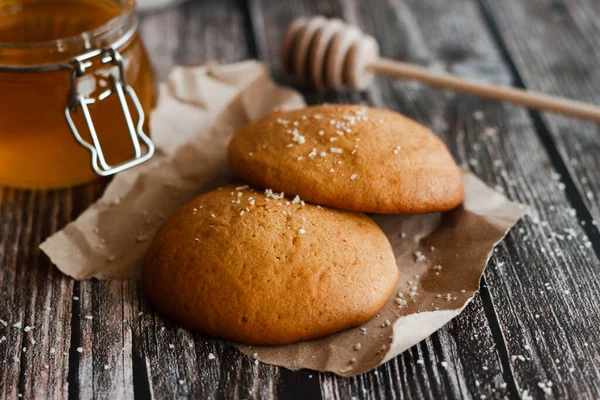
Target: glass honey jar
{"points": [[75, 86]]}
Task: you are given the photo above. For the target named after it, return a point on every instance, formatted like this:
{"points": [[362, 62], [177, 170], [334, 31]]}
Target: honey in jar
{"points": [[75, 83]]}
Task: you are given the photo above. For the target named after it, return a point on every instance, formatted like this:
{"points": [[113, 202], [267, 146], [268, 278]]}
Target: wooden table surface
{"points": [[534, 329]]}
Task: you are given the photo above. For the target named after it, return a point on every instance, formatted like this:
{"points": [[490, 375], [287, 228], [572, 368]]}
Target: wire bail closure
{"points": [[122, 90]]}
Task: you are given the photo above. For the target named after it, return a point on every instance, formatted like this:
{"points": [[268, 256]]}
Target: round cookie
{"points": [[350, 157], [258, 268]]}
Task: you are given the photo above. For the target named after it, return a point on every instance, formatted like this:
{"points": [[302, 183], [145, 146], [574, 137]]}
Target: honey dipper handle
{"points": [[526, 98]]}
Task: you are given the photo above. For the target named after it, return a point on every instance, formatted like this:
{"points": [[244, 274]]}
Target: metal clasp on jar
{"points": [[119, 87]]}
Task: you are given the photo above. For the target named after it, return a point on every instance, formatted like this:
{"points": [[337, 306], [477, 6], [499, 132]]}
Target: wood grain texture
{"points": [[196, 32], [560, 56], [543, 322], [172, 361], [104, 355], [471, 357], [538, 269], [104, 314], [35, 297]]}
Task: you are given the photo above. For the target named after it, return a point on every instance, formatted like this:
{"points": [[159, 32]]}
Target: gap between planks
{"points": [[489, 311], [574, 196]]}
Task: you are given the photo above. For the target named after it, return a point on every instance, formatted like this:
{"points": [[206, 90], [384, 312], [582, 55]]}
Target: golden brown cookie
{"points": [[350, 157], [258, 268]]}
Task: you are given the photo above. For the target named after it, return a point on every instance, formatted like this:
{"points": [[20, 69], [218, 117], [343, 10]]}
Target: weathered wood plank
{"points": [[10, 348], [178, 363], [105, 365], [419, 374], [560, 55], [113, 333], [467, 354], [160, 33], [195, 33], [442, 34], [45, 297], [546, 266], [34, 295], [543, 280]]}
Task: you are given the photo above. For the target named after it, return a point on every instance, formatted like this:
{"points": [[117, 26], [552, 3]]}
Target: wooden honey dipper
{"points": [[332, 54]]}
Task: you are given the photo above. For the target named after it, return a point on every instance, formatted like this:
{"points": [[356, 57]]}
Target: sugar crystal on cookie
{"points": [[344, 127]]}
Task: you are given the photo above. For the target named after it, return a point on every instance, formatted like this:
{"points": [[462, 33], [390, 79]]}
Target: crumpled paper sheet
{"points": [[191, 126], [440, 256]]}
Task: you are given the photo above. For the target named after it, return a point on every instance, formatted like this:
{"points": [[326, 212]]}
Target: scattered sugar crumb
{"points": [[489, 132], [545, 386], [419, 257]]}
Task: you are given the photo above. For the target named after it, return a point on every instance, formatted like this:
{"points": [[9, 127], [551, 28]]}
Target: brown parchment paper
{"points": [[440, 256]]}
